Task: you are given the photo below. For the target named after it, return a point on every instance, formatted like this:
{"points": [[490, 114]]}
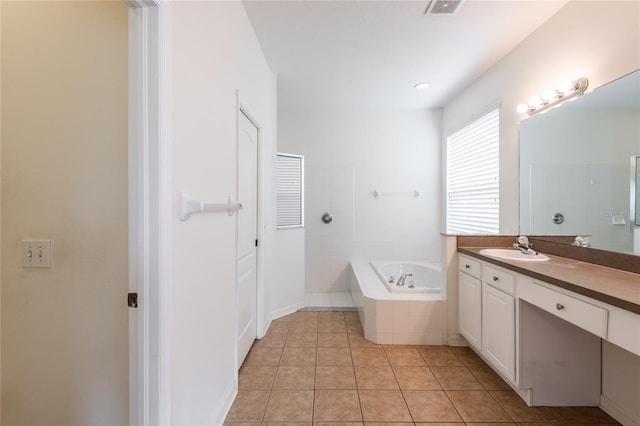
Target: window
{"points": [[290, 191], [473, 197]]}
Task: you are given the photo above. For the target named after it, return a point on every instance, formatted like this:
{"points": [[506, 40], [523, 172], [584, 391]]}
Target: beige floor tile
{"points": [[303, 328], [332, 327], [439, 356], [295, 377], [404, 356], [358, 341], [456, 378], [489, 379], [229, 423], [467, 356], [338, 424], [355, 328], [262, 357], [519, 410], [279, 327], [302, 340], [298, 356], [431, 406], [271, 340], [449, 424], [287, 424], [249, 405], [335, 377], [369, 356], [333, 340], [334, 356], [501, 424], [383, 406], [305, 316], [477, 406], [330, 316], [286, 318], [290, 406], [416, 378], [582, 415], [253, 377], [336, 405], [368, 377], [351, 317]]}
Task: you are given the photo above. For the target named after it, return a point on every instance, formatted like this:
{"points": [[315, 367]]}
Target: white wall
{"points": [[596, 39], [64, 178], [348, 155], [215, 53]]}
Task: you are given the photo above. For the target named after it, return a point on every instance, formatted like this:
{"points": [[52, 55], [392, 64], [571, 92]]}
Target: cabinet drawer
{"points": [[499, 279], [470, 266], [585, 315]]}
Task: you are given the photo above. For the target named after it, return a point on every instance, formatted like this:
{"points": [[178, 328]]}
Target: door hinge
{"points": [[132, 300], [256, 243]]}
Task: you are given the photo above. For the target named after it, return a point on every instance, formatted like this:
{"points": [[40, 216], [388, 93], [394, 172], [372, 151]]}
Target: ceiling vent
{"points": [[442, 7]]}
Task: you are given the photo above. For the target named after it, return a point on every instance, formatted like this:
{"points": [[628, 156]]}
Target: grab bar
{"points": [[377, 194], [188, 206]]}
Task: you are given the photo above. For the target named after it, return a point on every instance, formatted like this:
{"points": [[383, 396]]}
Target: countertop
{"points": [[612, 286]]}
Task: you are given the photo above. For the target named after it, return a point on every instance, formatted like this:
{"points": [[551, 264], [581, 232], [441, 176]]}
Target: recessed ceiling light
{"points": [[421, 86]]}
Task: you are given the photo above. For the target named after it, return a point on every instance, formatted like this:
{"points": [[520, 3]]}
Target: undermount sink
{"points": [[511, 254]]}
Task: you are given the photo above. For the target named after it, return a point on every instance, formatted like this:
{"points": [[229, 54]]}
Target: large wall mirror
{"points": [[574, 168]]}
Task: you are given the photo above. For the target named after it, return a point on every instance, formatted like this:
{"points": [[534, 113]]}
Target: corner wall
{"points": [[348, 155]]}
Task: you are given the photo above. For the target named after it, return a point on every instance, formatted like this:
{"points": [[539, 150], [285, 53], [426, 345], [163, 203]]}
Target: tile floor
{"points": [[316, 368]]}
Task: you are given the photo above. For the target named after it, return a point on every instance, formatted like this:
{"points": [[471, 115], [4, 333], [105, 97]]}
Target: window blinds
{"points": [[290, 191], [473, 197]]}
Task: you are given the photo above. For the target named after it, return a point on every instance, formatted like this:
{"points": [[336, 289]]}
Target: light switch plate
{"points": [[36, 253]]}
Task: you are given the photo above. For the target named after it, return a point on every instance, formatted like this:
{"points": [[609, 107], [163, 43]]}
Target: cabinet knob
{"points": [[467, 266], [495, 278], [559, 306]]}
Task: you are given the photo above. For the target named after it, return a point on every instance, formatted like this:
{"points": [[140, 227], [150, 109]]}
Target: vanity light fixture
{"points": [[552, 98], [421, 86]]}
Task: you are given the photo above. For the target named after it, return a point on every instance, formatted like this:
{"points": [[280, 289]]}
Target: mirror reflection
{"points": [[574, 167]]}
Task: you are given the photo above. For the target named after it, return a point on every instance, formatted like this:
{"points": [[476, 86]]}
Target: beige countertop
{"points": [[612, 286]]}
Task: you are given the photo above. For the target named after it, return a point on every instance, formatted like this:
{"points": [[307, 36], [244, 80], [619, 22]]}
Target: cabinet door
{"points": [[469, 309], [498, 330]]}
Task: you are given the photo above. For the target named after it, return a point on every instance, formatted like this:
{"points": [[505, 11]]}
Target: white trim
{"points": [[149, 211], [228, 402], [617, 412]]}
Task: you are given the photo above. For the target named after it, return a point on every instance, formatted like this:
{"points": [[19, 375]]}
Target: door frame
{"points": [[150, 211]]}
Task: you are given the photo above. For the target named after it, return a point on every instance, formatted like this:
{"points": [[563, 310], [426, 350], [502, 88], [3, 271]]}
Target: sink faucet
{"points": [[525, 246], [403, 278]]}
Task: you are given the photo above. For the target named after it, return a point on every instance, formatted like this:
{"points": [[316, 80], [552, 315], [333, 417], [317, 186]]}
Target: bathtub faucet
{"points": [[402, 279]]}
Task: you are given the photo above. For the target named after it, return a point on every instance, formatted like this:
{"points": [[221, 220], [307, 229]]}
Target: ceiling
{"points": [[369, 54]]}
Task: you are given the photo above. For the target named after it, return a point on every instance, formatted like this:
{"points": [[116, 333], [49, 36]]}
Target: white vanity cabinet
{"points": [[498, 320], [470, 300]]}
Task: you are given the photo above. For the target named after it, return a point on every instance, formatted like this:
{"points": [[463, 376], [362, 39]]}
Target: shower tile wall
{"points": [[328, 189]]}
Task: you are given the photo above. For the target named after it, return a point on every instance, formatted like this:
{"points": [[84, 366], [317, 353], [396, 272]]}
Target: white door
{"points": [[247, 235]]}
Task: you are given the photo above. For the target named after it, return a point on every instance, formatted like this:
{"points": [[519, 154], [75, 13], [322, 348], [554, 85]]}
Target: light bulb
{"points": [[522, 108], [565, 86], [548, 94], [535, 102]]}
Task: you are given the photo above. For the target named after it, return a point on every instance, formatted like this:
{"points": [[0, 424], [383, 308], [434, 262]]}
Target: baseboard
{"points": [[279, 314], [617, 412], [226, 406], [456, 340]]}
